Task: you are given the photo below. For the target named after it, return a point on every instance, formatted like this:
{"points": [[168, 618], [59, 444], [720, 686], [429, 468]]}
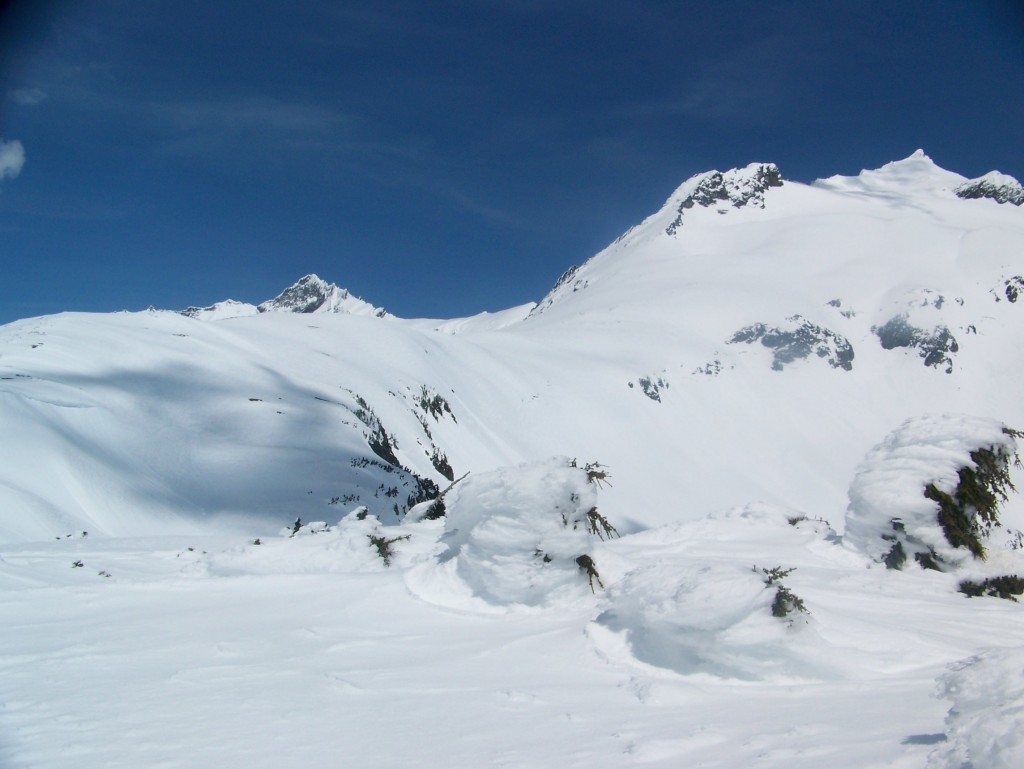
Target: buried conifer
{"points": [[932, 493]]}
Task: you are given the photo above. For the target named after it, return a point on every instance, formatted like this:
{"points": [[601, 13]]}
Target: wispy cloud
{"points": [[12, 158], [267, 126], [27, 97], [751, 82], [261, 114]]}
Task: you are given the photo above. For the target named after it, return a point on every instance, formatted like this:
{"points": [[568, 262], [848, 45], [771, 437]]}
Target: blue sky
{"points": [[444, 158]]}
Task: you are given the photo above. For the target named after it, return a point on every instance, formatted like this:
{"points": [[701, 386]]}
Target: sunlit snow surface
{"points": [[704, 368]]}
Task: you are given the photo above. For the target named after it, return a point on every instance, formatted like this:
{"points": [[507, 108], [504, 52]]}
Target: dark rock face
{"points": [[652, 387], [1005, 189], [738, 188], [936, 345], [1013, 288], [797, 342], [308, 295]]}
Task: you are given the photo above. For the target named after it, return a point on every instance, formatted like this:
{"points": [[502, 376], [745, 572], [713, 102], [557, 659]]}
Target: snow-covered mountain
{"points": [[753, 327], [310, 294], [735, 363]]}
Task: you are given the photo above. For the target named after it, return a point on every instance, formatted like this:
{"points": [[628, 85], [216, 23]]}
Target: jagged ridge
{"points": [[738, 187], [313, 294], [994, 185]]}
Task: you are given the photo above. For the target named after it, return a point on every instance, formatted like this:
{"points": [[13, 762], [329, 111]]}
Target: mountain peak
{"points": [[737, 187], [916, 173], [1001, 188], [312, 293]]}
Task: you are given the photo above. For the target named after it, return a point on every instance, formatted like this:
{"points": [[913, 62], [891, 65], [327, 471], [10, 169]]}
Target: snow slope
{"points": [[736, 362]]}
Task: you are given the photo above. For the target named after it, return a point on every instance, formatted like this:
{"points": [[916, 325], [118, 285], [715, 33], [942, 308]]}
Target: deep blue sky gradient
{"points": [[444, 158]]}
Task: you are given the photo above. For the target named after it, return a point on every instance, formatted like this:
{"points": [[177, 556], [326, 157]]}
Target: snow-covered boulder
{"points": [[523, 535], [900, 498]]}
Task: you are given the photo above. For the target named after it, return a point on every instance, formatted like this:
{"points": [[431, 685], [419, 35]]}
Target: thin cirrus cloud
{"points": [[201, 126], [12, 158], [28, 97], [251, 114]]}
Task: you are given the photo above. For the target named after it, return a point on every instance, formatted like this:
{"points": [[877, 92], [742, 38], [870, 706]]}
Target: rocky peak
{"points": [[737, 188], [313, 294], [999, 187]]}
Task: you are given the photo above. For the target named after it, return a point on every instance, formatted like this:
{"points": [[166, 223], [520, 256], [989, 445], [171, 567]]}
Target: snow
{"points": [[914, 174], [313, 294], [996, 179], [191, 626], [986, 722], [515, 533], [889, 485], [225, 310]]}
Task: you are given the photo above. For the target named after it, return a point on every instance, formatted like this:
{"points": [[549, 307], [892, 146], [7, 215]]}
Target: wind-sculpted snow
{"points": [[516, 535], [225, 648], [985, 724], [697, 601], [890, 517], [798, 339]]}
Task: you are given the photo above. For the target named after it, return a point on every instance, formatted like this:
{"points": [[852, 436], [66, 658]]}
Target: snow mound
{"points": [[888, 511], [994, 185], [699, 602], [985, 725], [516, 534], [357, 543], [702, 618]]}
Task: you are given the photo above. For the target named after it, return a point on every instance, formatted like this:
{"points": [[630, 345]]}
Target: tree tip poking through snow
{"points": [[985, 725], [695, 605], [894, 507], [519, 535]]}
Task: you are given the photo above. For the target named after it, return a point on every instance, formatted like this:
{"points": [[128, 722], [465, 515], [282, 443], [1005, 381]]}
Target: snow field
{"points": [[307, 648]]}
